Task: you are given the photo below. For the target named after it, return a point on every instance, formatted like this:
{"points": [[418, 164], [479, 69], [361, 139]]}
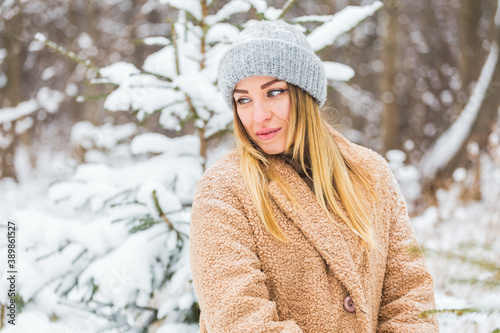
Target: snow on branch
{"points": [[191, 6], [3, 54], [46, 98], [312, 18], [450, 141], [229, 9], [338, 72], [25, 108], [159, 40], [259, 5], [158, 143], [118, 72], [340, 23]]}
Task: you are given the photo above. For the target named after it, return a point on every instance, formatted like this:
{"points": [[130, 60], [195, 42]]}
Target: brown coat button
{"points": [[349, 304]]}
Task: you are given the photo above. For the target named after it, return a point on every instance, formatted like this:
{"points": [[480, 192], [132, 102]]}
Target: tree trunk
{"points": [[391, 115], [12, 92], [478, 136], [471, 54], [92, 110], [7, 158]]}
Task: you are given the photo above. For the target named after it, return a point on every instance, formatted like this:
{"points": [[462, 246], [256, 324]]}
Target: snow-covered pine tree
{"points": [[110, 254]]}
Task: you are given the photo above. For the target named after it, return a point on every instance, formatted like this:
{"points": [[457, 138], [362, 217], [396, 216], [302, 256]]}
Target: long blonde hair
{"points": [[311, 144]]}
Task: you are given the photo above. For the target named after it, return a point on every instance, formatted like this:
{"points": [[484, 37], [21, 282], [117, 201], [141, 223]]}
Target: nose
{"points": [[262, 111]]}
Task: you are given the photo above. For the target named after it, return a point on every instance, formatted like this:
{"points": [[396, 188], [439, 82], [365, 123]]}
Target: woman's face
{"points": [[263, 106]]}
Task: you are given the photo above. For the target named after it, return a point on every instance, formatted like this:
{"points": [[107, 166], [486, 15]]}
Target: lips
{"points": [[268, 133]]}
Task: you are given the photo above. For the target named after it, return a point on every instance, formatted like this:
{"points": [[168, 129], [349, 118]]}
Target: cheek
{"points": [[285, 111], [245, 120]]}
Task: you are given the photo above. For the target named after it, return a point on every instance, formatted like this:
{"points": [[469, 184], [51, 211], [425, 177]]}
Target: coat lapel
{"points": [[327, 237]]}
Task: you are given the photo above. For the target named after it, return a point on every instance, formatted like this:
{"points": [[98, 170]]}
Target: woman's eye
{"points": [[275, 92], [243, 100]]}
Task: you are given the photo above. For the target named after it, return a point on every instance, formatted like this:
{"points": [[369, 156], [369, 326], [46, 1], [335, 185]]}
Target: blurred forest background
{"points": [[77, 122]]}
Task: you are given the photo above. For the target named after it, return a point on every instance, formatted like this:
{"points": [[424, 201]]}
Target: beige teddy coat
{"points": [[247, 281]]}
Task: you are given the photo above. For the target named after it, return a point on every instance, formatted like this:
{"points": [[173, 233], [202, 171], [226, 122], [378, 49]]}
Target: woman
{"points": [[298, 229]]}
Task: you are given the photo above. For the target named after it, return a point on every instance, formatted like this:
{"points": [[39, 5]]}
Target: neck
{"points": [[295, 164]]}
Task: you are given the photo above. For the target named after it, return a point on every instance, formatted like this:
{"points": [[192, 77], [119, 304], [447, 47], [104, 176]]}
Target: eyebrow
{"points": [[264, 86]]}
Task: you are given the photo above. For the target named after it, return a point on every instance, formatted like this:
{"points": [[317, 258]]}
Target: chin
{"points": [[273, 151]]}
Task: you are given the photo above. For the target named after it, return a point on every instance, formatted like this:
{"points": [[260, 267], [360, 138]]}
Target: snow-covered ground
{"points": [[461, 244]]}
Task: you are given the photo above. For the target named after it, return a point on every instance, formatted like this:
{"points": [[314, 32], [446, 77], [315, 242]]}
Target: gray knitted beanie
{"points": [[275, 49]]}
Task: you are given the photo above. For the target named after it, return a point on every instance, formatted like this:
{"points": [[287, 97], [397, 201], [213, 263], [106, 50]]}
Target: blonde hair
{"points": [[311, 144]]}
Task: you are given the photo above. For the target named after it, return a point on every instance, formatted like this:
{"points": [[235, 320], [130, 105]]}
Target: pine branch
{"points": [[483, 263], [80, 255], [86, 62], [2, 315], [110, 316], [61, 247], [126, 193], [460, 312], [158, 76], [20, 304], [152, 318], [65, 52], [490, 284], [63, 276], [84, 98], [204, 29], [76, 280], [95, 288], [178, 68], [176, 49], [146, 223], [162, 214], [286, 7], [142, 308]]}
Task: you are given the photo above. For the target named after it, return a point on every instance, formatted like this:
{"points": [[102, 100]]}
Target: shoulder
{"points": [[223, 179], [379, 173], [226, 167], [370, 161]]}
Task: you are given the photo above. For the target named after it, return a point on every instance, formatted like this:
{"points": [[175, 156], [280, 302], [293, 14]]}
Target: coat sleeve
{"points": [[227, 274], [408, 287]]}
